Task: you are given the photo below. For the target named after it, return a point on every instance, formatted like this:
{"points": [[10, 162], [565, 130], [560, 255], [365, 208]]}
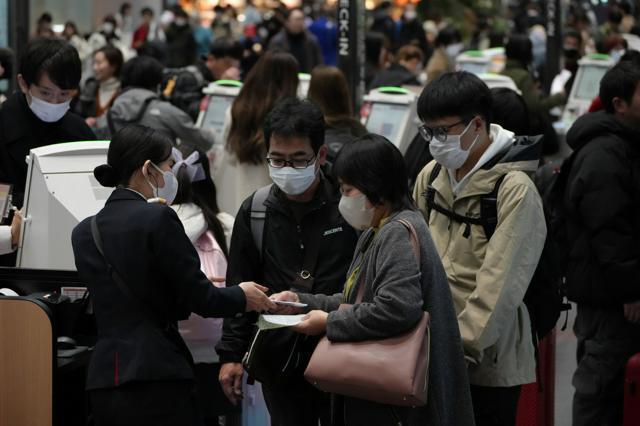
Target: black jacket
{"points": [[283, 253], [309, 53], [147, 245], [603, 212], [21, 131], [395, 75], [341, 132]]}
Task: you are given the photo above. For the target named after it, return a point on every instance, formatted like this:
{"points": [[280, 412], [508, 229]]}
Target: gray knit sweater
{"points": [[396, 293]]}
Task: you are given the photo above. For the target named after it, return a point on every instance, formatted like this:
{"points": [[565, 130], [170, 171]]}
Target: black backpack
{"points": [[545, 297], [183, 88]]}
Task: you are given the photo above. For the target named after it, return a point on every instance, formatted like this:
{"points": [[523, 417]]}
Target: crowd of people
{"points": [[303, 205]]}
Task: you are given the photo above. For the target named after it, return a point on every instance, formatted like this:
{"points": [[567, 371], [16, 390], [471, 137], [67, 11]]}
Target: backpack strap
{"points": [[489, 209], [430, 194], [258, 215]]}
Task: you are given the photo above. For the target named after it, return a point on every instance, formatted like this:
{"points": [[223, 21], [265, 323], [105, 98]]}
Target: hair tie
{"points": [[195, 172]]}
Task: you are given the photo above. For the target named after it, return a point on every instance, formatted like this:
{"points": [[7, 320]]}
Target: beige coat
{"points": [[488, 279]]}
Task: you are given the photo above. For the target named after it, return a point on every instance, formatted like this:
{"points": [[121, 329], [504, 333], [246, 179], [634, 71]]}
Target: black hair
{"points": [[447, 36], [288, 12], [295, 117], [519, 48], [615, 16], [376, 168], [124, 6], [572, 33], [55, 57], [510, 111], [114, 57], [147, 11], [129, 149], [456, 94], [203, 194], [45, 18], [374, 43], [142, 71], [72, 25], [226, 47], [625, 7], [631, 55], [621, 82], [6, 61]]}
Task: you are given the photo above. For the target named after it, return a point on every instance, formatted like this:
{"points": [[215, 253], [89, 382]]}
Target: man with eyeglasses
{"points": [[288, 236], [489, 256]]}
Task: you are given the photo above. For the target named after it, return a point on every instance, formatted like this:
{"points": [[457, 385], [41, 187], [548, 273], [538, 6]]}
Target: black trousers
{"points": [[495, 406], [162, 403], [297, 403]]}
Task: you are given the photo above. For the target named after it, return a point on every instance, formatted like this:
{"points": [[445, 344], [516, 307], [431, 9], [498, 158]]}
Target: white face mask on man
{"points": [[450, 153], [293, 181], [48, 112]]}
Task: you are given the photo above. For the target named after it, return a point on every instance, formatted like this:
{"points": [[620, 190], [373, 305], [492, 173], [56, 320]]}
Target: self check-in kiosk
{"points": [[482, 61], [303, 85], [218, 97], [60, 192], [391, 112], [586, 86]]}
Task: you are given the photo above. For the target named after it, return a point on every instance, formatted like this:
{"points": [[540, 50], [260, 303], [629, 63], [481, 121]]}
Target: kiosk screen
{"points": [[387, 119], [216, 113], [589, 83]]}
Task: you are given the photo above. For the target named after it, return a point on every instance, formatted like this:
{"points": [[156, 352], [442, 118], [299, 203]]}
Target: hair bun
{"points": [[106, 175]]}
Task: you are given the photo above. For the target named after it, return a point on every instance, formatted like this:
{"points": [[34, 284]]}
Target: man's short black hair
{"points": [[147, 11], [292, 117], [226, 47], [142, 71], [455, 94], [619, 82], [55, 57], [572, 33]]}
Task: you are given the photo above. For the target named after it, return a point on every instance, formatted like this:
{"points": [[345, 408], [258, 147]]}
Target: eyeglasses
{"points": [[279, 163], [439, 133]]}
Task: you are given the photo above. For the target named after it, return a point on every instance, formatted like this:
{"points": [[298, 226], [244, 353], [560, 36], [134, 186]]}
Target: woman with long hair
{"points": [[328, 89], [242, 168]]}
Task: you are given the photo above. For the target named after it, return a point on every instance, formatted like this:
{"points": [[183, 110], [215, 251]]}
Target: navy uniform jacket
{"points": [[147, 245]]}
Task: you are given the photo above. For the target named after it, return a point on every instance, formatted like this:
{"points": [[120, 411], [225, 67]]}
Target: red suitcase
{"points": [[536, 405], [631, 415]]}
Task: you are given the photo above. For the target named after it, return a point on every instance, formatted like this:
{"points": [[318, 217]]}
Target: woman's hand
{"points": [[257, 300], [313, 324], [286, 296], [15, 228]]}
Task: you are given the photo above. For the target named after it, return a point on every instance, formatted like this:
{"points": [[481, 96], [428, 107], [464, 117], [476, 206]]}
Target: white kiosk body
{"points": [[61, 191], [391, 112], [495, 81], [473, 61], [585, 87]]}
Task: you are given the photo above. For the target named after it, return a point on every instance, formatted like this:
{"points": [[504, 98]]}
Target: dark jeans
{"points": [[297, 403], [162, 403], [495, 406]]}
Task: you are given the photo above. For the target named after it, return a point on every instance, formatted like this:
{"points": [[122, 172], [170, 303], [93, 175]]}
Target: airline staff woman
{"points": [[146, 277]]}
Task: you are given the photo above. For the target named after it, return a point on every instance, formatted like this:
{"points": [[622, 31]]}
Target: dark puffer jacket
{"points": [[603, 205]]}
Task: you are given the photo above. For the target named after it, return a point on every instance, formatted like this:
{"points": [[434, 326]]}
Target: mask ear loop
{"points": [[150, 176]]}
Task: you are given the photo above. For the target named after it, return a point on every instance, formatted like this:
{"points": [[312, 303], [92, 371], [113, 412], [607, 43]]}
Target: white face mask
{"points": [[47, 112], [450, 153], [107, 28], [293, 181], [170, 188], [355, 211]]}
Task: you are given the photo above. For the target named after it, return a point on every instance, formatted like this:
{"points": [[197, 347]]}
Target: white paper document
{"points": [[270, 322]]}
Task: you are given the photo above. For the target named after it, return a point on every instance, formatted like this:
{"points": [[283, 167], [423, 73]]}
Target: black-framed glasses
{"points": [[439, 133], [279, 163]]}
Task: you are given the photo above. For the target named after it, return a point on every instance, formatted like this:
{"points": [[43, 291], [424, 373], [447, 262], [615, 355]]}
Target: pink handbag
{"points": [[389, 371]]}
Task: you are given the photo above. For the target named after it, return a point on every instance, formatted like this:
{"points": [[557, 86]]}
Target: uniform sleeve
{"points": [[510, 261], [602, 193], [397, 293], [179, 264], [244, 265]]}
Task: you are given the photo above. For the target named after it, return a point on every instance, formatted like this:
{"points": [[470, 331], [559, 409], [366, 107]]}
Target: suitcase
{"points": [[536, 405], [631, 416]]}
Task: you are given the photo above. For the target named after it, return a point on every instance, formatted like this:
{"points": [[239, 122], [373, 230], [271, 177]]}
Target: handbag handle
{"points": [[415, 244]]}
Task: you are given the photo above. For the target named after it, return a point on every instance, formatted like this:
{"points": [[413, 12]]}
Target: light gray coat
{"points": [[397, 291]]}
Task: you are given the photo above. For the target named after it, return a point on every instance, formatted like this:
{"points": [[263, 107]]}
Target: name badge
{"points": [[332, 231]]}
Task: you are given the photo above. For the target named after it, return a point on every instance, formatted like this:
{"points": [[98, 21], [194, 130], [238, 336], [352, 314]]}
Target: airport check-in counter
{"points": [[391, 112], [482, 61]]}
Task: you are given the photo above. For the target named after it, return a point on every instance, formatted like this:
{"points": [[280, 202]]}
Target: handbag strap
{"points": [[415, 244], [115, 276]]}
